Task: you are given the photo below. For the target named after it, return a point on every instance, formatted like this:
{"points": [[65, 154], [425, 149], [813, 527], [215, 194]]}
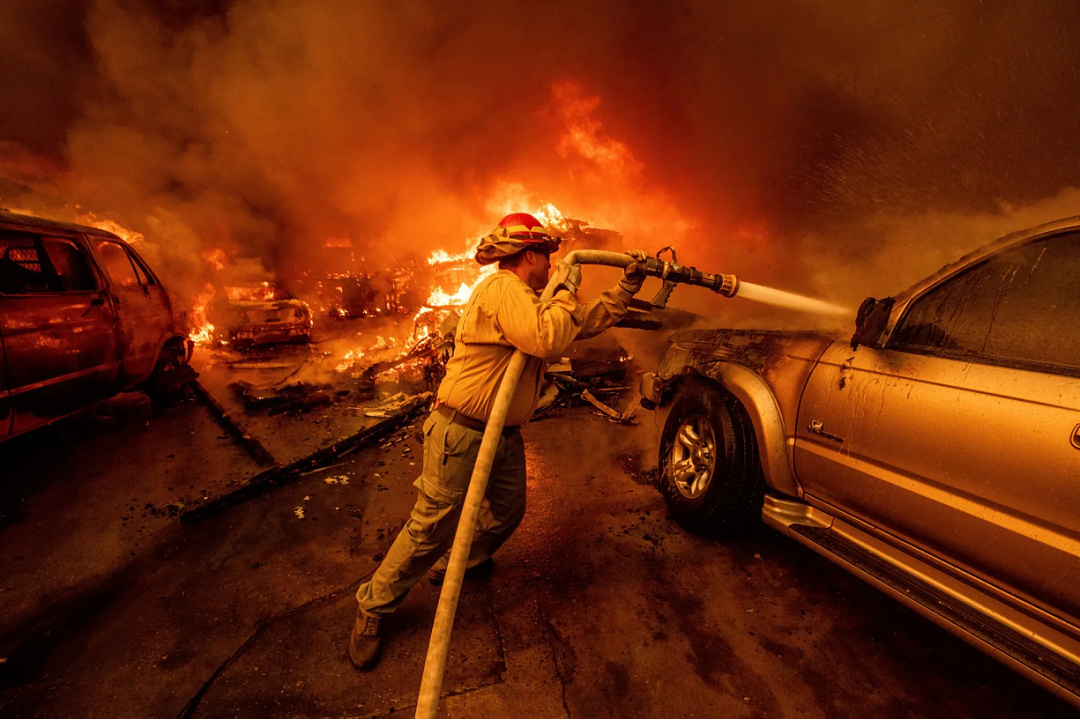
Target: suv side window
{"points": [[24, 268], [145, 278], [1020, 306], [117, 263], [70, 264]]}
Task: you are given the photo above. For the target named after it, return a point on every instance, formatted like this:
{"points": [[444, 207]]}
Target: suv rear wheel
{"points": [[711, 479], [171, 372]]}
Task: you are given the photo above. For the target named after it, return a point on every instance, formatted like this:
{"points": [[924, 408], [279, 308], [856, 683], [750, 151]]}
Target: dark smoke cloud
{"points": [[790, 138]]}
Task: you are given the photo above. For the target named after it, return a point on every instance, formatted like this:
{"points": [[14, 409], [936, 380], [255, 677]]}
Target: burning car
{"points": [[936, 455], [258, 313], [82, 317]]}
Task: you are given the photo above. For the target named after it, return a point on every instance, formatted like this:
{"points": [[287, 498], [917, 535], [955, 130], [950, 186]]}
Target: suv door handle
{"points": [[1076, 437]]}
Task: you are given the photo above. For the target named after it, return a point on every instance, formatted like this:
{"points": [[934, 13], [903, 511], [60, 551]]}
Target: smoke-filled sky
{"points": [[809, 144]]}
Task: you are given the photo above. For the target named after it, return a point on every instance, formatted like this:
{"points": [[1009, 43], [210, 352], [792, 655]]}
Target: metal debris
{"points": [[282, 475], [239, 433], [293, 397], [621, 417], [393, 404]]}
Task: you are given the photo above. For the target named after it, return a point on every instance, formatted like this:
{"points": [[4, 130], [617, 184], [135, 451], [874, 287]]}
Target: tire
{"points": [[160, 386], [711, 474]]}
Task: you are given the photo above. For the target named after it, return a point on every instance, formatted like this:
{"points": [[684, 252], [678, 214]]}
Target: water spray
{"points": [[672, 273], [782, 298]]}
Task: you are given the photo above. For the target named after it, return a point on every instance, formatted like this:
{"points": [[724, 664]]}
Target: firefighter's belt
{"points": [[472, 423]]}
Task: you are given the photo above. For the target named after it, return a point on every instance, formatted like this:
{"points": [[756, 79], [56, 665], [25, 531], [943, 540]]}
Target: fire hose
{"points": [[435, 665]]}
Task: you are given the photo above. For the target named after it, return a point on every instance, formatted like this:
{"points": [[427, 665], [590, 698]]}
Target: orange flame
{"points": [[129, 236], [584, 133], [216, 257], [445, 297], [202, 330]]}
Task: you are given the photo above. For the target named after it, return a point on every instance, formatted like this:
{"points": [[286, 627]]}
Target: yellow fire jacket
{"points": [[504, 315]]}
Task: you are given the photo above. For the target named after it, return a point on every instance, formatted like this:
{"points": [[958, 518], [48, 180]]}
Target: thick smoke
{"points": [[821, 146]]}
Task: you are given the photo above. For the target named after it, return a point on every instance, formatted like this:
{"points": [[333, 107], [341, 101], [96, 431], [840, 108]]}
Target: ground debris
{"points": [[281, 475], [239, 433], [394, 404], [624, 417], [291, 397], [641, 475]]}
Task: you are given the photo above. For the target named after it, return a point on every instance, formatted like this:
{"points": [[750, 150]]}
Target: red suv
{"points": [[82, 317]]}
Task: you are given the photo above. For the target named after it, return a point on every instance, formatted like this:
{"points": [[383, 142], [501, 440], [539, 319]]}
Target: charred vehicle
{"points": [[260, 313], [936, 454], [82, 317]]}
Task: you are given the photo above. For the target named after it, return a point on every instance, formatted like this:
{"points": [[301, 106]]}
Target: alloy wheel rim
{"points": [[693, 456]]}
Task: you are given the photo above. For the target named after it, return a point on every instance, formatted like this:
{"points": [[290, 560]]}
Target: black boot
{"points": [[365, 642]]}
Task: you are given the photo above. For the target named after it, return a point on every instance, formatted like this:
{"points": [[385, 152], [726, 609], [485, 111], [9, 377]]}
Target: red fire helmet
{"points": [[524, 227], [514, 233]]}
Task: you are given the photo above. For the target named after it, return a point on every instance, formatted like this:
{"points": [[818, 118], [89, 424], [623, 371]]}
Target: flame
{"points": [[445, 295], [216, 257], [350, 359], [441, 296], [202, 330], [129, 236], [608, 183], [553, 220], [584, 133], [441, 256]]}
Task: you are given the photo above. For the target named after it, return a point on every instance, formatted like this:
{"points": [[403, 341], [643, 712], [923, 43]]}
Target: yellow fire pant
{"points": [[450, 451]]}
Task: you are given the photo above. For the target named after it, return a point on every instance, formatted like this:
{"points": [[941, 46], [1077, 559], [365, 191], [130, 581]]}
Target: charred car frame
{"points": [[260, 313]]}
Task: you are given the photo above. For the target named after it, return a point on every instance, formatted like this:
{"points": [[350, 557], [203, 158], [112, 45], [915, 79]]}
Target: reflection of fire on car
{"points": [[257, 313], [939, 460], [82, 317]]}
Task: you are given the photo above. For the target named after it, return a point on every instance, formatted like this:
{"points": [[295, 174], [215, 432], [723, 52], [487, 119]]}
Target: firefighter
{"points": [[504, 314]]}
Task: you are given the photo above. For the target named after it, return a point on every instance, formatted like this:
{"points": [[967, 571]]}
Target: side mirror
{"points": [[870, 322]]}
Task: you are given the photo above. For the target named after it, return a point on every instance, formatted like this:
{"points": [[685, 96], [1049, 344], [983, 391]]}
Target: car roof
{"points": [[10, 218], [1021, 236]]}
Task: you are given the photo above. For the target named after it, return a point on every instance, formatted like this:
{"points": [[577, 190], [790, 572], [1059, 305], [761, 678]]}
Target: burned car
{"points": [[936, 454], [259, 313], [82, 317]]}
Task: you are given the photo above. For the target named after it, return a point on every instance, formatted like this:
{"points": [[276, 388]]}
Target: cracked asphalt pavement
{"points": [[599, 606]]}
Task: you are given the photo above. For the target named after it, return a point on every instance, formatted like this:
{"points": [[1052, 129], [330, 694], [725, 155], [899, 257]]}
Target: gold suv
{"points": [[935, 455]]}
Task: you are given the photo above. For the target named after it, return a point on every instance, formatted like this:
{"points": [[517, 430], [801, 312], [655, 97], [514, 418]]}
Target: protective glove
{"points": [[634, 274], [567, 276]]}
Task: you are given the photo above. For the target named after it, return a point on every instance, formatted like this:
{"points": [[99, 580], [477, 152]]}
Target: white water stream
{"points": [[772, 296]]}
